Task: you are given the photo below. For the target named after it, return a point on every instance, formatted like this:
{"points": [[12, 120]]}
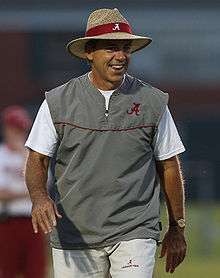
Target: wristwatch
{"points": [[180, 223]]}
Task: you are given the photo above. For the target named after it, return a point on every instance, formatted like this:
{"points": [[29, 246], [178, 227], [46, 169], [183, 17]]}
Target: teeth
{"points": [[117, 67]]}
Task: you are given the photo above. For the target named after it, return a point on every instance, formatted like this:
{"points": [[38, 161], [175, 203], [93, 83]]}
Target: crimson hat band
{"points": [[108, 28]]}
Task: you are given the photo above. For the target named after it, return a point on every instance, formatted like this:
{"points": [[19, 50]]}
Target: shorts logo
{"points": [[116, 27], [130, 263], [135, 109]]}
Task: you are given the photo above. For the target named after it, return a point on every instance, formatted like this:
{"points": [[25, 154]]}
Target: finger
{"points": [[52, 216], [178, 257], [53, 212], [169, 265], [176, 254], [34, 224], [42, 224], [174, 263], [56, 211], [172, 269], [163, 250], [169, 262], [47, 221], [182, 256]]}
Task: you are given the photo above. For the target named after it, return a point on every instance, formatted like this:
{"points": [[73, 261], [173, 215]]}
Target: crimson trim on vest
{"points": [[108, 28], [95, 129]]}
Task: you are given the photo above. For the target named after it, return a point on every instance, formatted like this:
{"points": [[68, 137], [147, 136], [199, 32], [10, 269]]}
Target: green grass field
{"points": [[203, 238], [197, 268]]}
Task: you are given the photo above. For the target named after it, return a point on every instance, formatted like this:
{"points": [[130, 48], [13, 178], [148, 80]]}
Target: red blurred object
{"points": [[16, 116]]}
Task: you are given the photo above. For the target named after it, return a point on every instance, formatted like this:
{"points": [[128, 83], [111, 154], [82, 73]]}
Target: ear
{"points": [[89, 49], [89, 56]]}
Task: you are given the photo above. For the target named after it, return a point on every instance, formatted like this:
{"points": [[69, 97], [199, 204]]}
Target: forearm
{"points": [[174, 244], [8, 195], [173, 187], [36, 175], [44, 210]]}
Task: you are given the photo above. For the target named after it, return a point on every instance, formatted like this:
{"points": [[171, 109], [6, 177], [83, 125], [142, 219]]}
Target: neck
{"points": [[104, 85]]}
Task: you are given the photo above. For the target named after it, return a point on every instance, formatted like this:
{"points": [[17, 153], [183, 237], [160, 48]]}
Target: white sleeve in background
{"points": [[3, 175], [167, 142], [43, 137]]}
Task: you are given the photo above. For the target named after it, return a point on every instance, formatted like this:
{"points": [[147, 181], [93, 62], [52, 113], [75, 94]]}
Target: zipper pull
{"points": [[106, 113]]}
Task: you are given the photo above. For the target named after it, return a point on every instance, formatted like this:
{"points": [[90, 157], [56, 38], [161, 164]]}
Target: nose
{"points": [[120, 55]]}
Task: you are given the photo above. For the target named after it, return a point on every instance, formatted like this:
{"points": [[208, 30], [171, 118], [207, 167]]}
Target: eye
{"points": [[127, 49], [114, 48], [111, 49]]}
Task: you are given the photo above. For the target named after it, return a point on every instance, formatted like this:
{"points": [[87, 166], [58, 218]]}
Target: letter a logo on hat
{"points": [[116, 27]]}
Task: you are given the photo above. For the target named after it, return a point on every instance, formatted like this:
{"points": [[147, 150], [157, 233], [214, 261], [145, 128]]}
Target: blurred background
{"points": [[183, 60]]}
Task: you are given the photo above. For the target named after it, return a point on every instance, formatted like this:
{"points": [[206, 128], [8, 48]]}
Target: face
{"points": [[14, 137], [109, 60]]}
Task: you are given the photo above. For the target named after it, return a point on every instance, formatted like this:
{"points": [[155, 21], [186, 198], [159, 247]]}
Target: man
{"points": [[22, 252], [112, 135]]}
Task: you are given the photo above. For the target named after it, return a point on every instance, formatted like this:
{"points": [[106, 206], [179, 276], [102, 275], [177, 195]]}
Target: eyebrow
{"points": [[110, 45]]}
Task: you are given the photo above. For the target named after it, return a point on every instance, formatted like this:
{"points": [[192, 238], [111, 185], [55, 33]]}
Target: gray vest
{"points": [[106, 186]]}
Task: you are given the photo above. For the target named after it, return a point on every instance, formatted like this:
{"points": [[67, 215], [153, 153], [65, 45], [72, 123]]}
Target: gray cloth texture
{"points": [[106, 184]]}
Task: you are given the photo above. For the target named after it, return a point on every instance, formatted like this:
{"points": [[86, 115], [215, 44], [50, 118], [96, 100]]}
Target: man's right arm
{"points": [[44, 211]]}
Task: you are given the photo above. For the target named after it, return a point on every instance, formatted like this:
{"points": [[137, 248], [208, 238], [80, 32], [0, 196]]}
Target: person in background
{"points": [[21, 251]]}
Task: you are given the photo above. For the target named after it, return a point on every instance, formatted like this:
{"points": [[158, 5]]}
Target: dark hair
{"points": [[90, 45]]}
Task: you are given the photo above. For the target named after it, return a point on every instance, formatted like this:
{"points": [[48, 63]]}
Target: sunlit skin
{"points": [[109, 61]]}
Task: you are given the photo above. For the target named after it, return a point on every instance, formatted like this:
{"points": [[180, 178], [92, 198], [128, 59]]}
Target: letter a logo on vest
{"points": [[116, 27], [135, 109]]}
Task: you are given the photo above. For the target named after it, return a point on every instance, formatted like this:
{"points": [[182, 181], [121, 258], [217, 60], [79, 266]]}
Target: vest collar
{"points": [[91, 88]]}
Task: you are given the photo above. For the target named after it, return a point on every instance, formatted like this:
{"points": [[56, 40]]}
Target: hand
{"points": [[44, 213], [174, 247]]}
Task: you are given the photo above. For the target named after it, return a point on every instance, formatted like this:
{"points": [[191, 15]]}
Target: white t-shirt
{"points": [[107, 95], [12, 178], [43, 137]]}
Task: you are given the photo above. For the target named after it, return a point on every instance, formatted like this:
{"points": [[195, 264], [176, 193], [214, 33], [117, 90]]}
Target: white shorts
{"points": [[126, 259]]}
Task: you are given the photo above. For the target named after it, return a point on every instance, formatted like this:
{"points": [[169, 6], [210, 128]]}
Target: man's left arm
{"points": [[174, 243]]}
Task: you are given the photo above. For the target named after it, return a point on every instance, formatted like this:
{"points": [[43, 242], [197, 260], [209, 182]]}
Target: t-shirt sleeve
{"points": [[43, 137], [167, 142]]}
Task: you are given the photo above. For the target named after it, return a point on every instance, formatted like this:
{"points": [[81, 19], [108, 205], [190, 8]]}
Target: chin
{"points": [[117, 78]]}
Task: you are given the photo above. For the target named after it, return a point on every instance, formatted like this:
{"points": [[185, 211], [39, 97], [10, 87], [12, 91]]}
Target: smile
{"points": [[117, 67]]}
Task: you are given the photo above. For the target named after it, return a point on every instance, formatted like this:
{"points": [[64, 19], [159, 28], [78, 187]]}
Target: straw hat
{"points": [[106, 24]]}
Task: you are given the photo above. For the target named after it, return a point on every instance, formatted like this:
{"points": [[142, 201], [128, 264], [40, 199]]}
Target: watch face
{"points": [[181, 223]]}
